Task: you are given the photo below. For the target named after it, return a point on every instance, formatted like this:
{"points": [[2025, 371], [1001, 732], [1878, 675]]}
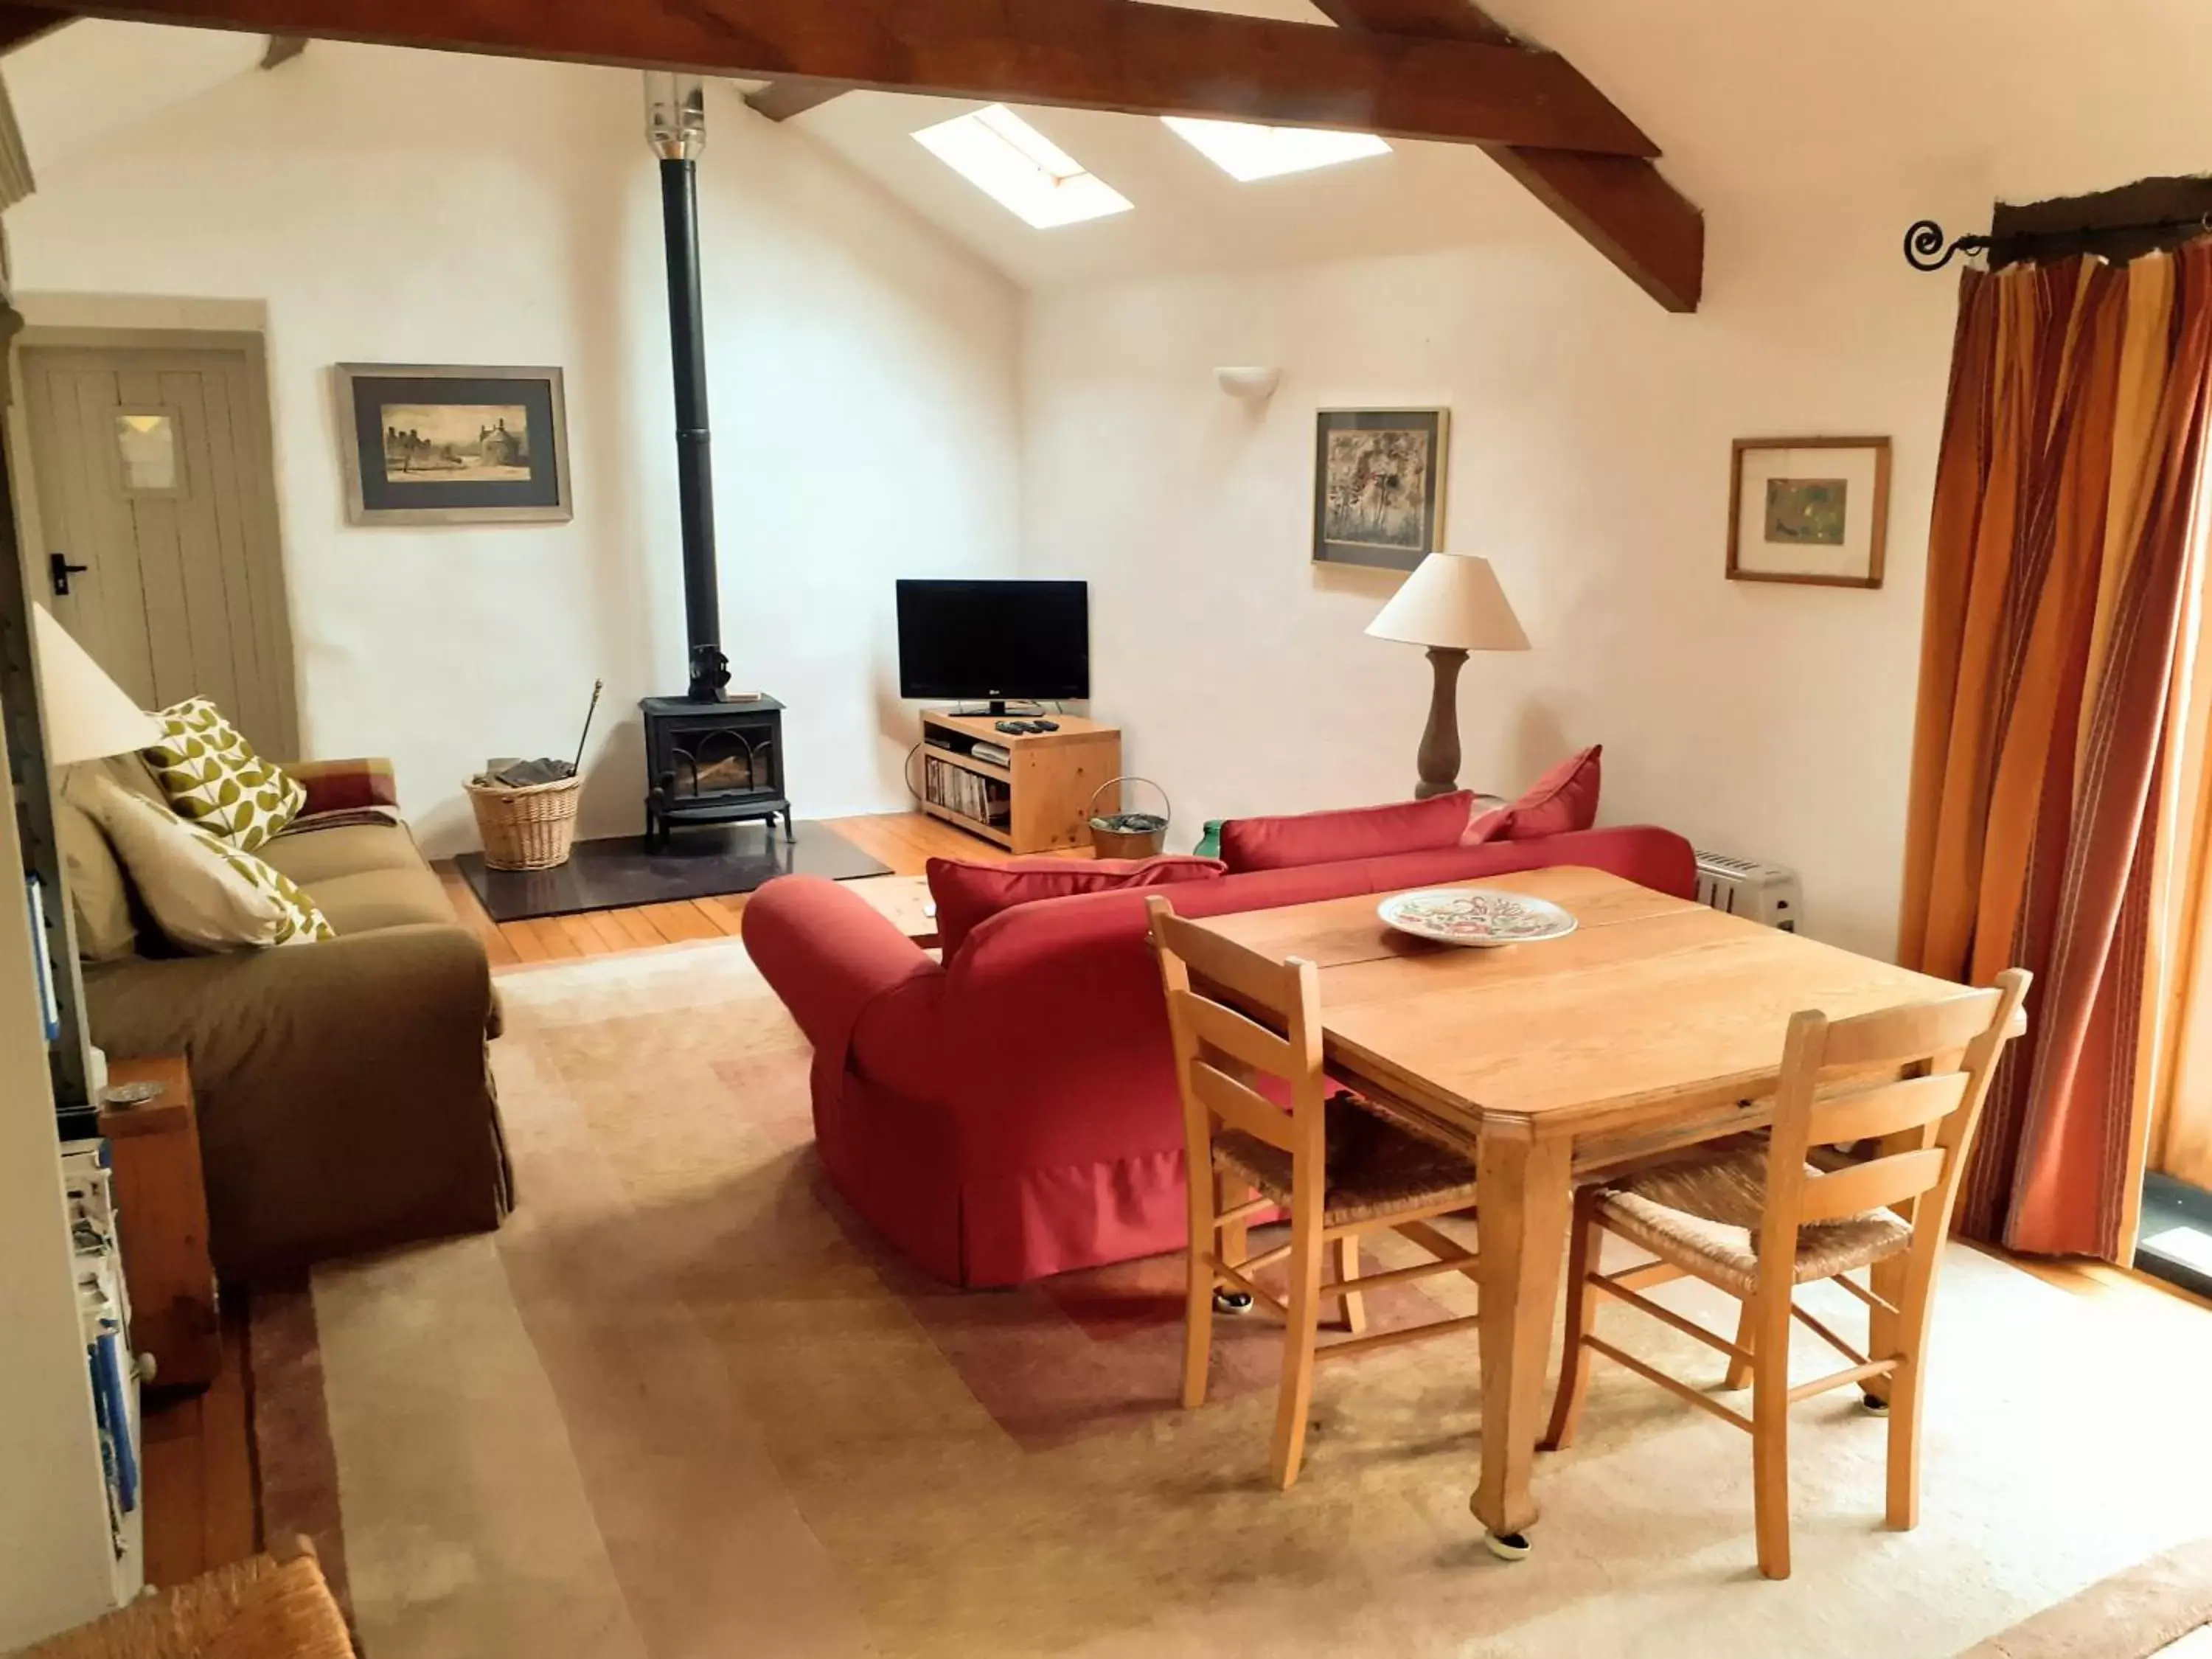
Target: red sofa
{"points": [[1013, 1113]]}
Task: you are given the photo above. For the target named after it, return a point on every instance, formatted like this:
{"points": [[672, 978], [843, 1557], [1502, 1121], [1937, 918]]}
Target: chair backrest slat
{"points": [[1876, 1184], [1215, 1040], [1885, 1108], [1900, 1037], [1239, 1107], [1230, 1033], [1222, 962]]}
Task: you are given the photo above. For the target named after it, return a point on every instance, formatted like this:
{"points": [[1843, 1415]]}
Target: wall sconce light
{"points": [[1252, 385]]}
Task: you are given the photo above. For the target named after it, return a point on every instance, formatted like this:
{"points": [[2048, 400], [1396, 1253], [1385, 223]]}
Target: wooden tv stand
{"points": [[1047, 785]]}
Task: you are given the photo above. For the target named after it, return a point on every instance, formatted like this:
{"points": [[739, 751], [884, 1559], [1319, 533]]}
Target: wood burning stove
{"points": [[714, 764], [709, 758]]}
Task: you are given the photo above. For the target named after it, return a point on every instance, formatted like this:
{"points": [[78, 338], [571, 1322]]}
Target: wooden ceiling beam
{"points": [[1627, 212], [1620, 204], [781, 99], [20, 25], [1450, 20], [1094, 54]]}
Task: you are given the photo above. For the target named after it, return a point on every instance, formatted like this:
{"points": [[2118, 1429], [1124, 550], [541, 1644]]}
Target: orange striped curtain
{"points": [[2063, 556]]}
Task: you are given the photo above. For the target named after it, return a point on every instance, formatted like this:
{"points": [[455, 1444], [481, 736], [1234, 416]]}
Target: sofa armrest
{"points": [[828, 953], [345, 1099]]}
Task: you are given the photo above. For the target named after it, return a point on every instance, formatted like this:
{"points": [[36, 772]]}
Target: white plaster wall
{"points": [[1589, 462], [388, 206], [1591, 436]]}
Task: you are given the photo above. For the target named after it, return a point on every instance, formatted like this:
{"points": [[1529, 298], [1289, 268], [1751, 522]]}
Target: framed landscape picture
{"points": [[1809, 510], [441, 445], [1379, 486]]}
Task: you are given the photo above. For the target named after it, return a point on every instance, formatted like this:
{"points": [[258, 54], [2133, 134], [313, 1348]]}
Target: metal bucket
{"points": [[1125, 834]]}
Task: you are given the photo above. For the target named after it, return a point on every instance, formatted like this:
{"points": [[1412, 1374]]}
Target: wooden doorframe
{"points": [[250, 345]]}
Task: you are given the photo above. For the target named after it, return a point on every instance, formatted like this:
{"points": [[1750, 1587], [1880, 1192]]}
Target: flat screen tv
{"points": [[986, 640]]}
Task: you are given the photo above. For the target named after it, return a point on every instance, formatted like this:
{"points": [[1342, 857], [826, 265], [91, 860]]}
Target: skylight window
{"points": [[1246, 152], [1021, 169]]}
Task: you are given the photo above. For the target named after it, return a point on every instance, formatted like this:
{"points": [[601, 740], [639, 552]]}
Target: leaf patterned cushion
{"points": [[214, 778], [300, 920]]}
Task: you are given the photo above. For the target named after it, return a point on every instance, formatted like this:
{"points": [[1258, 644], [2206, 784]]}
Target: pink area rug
{"points": [[686, 1405]]}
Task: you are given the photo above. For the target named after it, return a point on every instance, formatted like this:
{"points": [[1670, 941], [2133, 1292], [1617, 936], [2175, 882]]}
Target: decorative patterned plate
{"points": [[1475, 916]]}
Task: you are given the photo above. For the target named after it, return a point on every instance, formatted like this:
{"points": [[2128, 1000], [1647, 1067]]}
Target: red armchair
{"points": [[1013, 1113]]}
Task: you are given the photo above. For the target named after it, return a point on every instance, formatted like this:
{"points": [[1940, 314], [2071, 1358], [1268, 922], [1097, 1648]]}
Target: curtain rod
{"points": [[1925, 248]]}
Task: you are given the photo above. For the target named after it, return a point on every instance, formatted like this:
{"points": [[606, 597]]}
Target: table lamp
{"points": [[87, 715], [1451, 603]]}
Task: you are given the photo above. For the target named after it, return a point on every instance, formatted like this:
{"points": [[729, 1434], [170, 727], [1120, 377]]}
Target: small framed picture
{"points": [[430, 444], [1810, 510], [1379, 486]]}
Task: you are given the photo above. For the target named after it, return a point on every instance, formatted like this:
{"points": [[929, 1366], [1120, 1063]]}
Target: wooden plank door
{"points": [[155, 475]]}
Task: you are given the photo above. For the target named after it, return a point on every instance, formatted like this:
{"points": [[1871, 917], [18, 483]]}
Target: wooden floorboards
{"points": [[904, 840], [201, 1506], [2083, 1277]]}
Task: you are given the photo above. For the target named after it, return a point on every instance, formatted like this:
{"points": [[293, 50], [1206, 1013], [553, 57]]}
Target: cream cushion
{"points": [[97, 896], [204, 896], [212, 776]]}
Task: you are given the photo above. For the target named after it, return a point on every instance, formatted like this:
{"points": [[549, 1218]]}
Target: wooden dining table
{"points": [[1657, 1023]]}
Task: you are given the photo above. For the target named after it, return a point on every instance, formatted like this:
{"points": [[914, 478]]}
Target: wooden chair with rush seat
{"points": [[274, 1606], [1758, 1221], [1342, 1172]]}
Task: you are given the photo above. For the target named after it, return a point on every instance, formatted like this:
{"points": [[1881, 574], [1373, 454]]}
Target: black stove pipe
{"points": [[694, 461]]}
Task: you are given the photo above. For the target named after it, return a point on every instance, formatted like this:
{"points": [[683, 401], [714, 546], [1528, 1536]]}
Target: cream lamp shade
{"points": [[87, 715], [1452, 601]]}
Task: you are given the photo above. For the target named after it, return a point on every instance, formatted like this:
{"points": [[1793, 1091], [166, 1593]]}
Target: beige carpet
{"points": [[683, 1406]]}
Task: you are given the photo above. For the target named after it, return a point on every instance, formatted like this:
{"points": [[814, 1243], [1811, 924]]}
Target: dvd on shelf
{"points": [[957, 790]]}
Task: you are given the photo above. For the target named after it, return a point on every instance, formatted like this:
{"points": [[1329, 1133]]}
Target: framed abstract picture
{"points": [[440, 445], [1808, 510], [1379, 486]]}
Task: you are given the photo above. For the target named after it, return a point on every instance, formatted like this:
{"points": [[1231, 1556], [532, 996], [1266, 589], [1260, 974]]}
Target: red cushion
{"points": [[1564, 800], [1362, 832], [969, 895]]}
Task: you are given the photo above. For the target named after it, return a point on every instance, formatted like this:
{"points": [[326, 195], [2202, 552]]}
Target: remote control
{"points": [[1046, 725]]}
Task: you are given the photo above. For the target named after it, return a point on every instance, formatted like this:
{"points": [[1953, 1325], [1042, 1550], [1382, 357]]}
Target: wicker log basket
{"points": [[532, 828]]}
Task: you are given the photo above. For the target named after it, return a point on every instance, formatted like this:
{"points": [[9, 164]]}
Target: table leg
{"points": [[1524, 1198]]}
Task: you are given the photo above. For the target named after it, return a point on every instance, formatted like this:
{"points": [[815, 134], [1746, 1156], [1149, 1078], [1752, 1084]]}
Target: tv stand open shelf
{"points": [[1045, 787]]}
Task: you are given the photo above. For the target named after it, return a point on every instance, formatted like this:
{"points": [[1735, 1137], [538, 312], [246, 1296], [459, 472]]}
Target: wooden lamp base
{"points": [[1438, 758]]}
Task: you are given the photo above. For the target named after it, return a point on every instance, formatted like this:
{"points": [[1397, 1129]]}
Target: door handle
{"points": [[60, 567]]}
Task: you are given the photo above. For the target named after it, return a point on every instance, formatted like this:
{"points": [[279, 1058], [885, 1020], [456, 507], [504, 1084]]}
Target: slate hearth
{"points": [[703, 861]]}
